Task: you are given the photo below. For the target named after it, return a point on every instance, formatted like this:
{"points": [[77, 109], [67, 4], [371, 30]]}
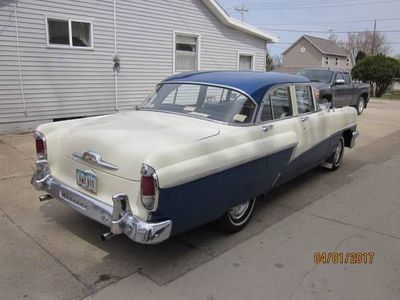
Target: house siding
{"points": [[61, 83]]}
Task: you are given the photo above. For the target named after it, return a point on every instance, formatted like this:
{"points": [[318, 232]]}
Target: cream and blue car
{"points": [[200, 149]]}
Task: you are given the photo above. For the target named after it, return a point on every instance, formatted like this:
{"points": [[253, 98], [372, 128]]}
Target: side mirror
{"points": [[340, 82]]}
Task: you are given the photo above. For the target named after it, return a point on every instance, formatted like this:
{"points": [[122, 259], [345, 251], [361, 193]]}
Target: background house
{"points": [[65, 58], [314, 52]]}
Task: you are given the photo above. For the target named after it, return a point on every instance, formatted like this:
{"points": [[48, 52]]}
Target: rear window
{"points": [[210, 102]]}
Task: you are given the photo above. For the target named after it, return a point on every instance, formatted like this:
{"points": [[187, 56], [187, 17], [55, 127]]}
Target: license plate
{"points": [[87, 180]]}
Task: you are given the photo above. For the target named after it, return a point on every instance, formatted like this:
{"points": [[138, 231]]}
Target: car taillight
{"points": [[149, 188], [41, 149]]}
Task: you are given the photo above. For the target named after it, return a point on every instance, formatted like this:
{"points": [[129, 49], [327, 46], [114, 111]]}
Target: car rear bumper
{"points": [[117, 219]]}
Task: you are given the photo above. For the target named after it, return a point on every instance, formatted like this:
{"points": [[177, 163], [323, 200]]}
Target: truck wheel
{"points": [[336, 159], [237, 217], [360, 105]]}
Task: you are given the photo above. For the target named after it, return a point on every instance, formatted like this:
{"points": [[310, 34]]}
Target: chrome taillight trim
{"points": [[148, 171], [37, 135]]}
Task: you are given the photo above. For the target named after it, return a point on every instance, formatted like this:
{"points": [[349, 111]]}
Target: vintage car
{"points": [[200, 149]]}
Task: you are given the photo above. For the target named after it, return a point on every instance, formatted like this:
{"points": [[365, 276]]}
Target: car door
{"points": [[281, 133], [339, 90], [315, 130], [348, 89]]}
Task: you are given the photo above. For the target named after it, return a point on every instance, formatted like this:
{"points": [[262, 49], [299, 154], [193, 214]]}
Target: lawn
{"points": [[391, 95]]}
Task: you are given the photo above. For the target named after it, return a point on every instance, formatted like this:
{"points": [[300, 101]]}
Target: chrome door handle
{"points": [[267, 127], [305, 118]]}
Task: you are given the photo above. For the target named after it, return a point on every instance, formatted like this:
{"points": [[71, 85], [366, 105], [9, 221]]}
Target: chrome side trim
{"points": [[94, 158], [119, 218]]}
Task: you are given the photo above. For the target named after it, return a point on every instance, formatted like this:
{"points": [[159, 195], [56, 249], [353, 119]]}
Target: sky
{"points": [[277, 17]]}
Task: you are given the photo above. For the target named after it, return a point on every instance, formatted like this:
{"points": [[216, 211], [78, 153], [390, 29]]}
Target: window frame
{"points": [[293, 103], [289, 86], [189, 34], [246, 53], [315, 104], [326, 60], [70, 46], [336, 61]]}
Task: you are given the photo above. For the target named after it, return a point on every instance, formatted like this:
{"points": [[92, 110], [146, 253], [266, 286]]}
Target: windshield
{"points": [[317, 75], [210, 102]]}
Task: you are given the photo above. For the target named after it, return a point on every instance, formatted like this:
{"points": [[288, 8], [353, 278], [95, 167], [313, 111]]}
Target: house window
{"points": [[326, 60], [337, 61], [245, 61], [187, 49], [69, 33], [348, 62]]}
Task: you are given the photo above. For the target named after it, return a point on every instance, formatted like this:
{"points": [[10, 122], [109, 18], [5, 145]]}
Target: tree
{"points": [[278, 61], [360, 56], [269, 63], [367, 42], [379, 69]]}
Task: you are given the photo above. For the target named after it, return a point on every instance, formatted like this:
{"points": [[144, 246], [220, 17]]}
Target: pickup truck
{"points": [[337, 87]]}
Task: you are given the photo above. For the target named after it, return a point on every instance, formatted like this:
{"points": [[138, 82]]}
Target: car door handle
{"points": [[304, 118], [267, 127]]}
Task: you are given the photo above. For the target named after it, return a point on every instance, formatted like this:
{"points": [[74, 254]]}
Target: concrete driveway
{"points": [[48, 251]]}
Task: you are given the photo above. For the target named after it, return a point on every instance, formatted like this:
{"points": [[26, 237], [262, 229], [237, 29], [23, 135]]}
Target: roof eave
{"points": [[220, 13]]}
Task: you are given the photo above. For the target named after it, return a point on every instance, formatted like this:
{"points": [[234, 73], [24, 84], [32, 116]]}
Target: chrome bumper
{"points": [[354, 136], [119, 218]]}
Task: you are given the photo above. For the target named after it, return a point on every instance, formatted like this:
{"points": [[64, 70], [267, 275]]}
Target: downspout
{"points": [[114, 56], [19, 59]]}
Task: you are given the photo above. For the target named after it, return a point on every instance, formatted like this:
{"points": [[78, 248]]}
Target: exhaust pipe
{"points": [[46, 197], [106, 236]]}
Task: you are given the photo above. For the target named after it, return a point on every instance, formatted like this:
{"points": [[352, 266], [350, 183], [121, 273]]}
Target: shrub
{"points": [[380, 69]]}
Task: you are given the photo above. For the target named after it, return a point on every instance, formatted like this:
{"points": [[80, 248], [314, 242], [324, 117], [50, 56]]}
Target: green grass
{"points": [[391, 95]]}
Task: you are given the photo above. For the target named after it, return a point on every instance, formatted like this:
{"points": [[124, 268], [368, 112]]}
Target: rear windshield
{"points": [[317, 75], [204, 101]]}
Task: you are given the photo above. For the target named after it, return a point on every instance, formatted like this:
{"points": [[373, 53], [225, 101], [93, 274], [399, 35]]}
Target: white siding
{"points": [[77, 82]]}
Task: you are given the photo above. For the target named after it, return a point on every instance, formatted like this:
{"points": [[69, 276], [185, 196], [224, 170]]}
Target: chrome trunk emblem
{"points": [[94, 158]]}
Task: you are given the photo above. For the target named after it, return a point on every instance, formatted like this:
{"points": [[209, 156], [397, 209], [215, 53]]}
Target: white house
{"points": [[64, 58]]}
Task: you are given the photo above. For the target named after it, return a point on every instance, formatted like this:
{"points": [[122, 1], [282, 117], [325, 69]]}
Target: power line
{"points": [[329, 31], [333, 22], [312, 5]]}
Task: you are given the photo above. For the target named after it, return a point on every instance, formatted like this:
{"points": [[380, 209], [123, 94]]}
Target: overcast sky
{"points": [[319, 15]]}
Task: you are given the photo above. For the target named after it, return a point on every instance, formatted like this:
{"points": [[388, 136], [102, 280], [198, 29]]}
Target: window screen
{"points": [[245, 62], [186, 53], [305, 103], [58, 32], [81, 34]]}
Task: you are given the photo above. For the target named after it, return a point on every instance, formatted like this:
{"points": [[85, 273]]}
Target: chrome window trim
{"points": [[251, 123], [316, 107], [258, 120]]}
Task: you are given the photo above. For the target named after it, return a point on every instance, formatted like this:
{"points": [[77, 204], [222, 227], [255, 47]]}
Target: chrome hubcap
{"points": [[361, 106], [239, 211], [338, 152]]}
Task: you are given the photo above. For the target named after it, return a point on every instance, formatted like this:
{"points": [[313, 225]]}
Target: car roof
{"points": [[254, 84]]}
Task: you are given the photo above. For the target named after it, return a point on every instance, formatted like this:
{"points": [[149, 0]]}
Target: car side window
{"points": [[304, 99], [339, 76], [277, 105], [347, 78]]}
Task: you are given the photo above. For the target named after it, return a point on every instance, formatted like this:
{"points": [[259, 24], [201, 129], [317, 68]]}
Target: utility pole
{"points": [[374, 39], [242, 10]]}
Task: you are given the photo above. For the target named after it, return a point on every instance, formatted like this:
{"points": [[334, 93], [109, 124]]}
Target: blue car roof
{"points": [[255, 84]]}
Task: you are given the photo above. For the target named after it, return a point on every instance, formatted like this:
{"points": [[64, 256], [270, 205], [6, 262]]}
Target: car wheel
{"points": [[237, 217], [337, 157], [360, 105]]}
